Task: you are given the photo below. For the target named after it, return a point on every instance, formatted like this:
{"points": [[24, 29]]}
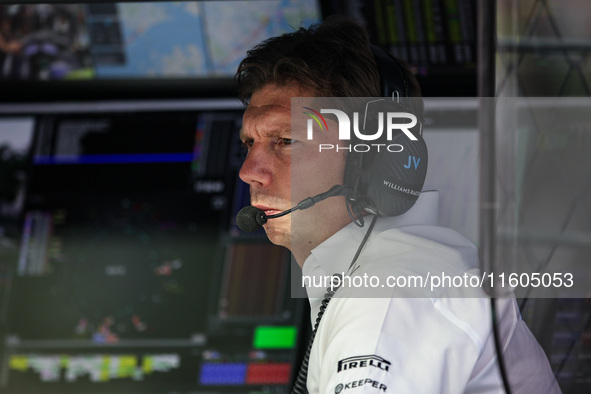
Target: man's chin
{"points": [[278, 237]]}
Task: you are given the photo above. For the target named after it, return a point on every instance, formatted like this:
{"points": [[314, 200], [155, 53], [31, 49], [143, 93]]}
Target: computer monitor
{"points": [[135, 49], [436, 38], [128, 276]]}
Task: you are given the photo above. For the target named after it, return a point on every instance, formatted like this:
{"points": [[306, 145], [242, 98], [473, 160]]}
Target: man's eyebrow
{"points": [[270, 129]]}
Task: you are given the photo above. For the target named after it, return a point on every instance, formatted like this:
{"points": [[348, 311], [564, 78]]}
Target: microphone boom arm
{"points": [[250, 218], [310, 201]]}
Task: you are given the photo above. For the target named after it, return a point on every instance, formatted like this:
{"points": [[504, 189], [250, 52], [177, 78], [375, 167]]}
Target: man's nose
{"points": [[256, 169]]}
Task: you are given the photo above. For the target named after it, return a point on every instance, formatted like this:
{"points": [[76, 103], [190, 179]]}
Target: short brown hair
{"points": [[332, 58]]}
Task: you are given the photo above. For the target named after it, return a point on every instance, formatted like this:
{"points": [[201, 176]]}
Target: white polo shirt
{"points": [[412, 339]]}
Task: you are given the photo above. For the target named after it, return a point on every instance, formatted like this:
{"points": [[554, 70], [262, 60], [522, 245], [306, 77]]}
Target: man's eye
{"points": [[247, 144], [285, 141]]}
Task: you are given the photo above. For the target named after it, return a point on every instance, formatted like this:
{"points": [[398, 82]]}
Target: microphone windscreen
{"points": [[250, 218]]}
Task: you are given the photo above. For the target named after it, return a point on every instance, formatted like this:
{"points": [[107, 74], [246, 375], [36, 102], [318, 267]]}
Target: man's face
{"points": [[282, 168]]}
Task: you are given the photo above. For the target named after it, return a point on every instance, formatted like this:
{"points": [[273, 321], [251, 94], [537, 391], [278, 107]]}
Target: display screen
{"points": [[122, 270], [436, 38], [185, 39]]}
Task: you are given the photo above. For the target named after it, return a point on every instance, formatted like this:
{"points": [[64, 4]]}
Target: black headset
{"points": [[388, 183]]}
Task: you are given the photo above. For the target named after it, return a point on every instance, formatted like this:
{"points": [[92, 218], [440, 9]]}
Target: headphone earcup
{"points": [[388, 182], [397, 178]]}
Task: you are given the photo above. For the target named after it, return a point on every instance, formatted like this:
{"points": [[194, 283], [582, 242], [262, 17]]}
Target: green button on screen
{"points": [[266, 337]]}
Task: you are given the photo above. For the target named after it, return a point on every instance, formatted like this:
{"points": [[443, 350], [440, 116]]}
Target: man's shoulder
{"points": [[421, 261]]}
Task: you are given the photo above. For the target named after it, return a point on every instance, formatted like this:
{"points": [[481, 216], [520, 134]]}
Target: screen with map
{"points": [[184, 39]]}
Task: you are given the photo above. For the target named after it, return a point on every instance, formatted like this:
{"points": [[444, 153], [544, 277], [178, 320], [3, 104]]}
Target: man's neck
{"points": [[302, 253], [302, 248]]}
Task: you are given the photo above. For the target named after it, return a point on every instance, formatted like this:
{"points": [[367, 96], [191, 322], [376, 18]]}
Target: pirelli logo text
{"points": [[363, 362]]}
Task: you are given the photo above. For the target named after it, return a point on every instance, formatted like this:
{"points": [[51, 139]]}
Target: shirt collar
{"points": [[336, 253]]}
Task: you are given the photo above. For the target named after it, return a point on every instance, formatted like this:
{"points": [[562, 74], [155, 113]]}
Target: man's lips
{"points": [[268, 210]]}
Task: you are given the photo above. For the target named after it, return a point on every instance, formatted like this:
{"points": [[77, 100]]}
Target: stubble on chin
{"points": [[279, 231]]}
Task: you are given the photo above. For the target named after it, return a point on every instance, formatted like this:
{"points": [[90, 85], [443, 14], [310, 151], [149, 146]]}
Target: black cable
{"points": [[302, 378], [300, 383], [575, 338], [500, 359], [356, 216], [369, 230]]}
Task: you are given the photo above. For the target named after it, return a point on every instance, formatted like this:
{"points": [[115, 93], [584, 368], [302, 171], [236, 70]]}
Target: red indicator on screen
{"points": [[268, 373]]}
